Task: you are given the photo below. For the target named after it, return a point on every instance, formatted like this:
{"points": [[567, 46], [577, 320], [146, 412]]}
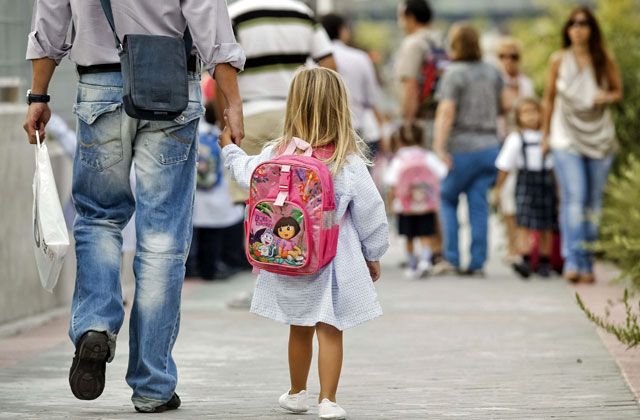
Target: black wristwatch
{"points": [[32, 97]]}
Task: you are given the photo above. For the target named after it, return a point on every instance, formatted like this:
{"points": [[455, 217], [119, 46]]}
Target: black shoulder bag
{"points": [[154, 72]]}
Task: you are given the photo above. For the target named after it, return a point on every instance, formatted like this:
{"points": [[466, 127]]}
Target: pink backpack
{"points": [[290, 226], [418, 188]]}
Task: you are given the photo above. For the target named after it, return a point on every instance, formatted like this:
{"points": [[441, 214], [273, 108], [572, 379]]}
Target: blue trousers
{"points": [[165, 167], [473, 174], [582, 181]]}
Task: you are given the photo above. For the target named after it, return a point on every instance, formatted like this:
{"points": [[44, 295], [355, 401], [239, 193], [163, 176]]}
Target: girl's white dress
{"points": [[342, 293]]}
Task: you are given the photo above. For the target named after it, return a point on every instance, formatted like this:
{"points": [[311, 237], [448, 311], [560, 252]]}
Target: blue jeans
{"points": [[473, 174], [165, 166], [582, 181]]}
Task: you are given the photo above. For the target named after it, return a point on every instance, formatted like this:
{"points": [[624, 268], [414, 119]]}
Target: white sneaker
{"points": [[443, 268], [411, 273], [329, 410], [296, 403], [424, 267]]}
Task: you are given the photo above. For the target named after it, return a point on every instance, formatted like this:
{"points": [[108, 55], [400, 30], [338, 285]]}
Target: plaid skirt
{"points": [[536, 200]]}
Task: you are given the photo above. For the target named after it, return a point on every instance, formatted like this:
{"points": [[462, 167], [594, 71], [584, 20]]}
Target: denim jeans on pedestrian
{"points": [[582, 181], [472, 174], [165, 165]]}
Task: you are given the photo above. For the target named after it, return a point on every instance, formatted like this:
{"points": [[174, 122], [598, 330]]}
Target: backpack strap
{"points": [[525, 145], [295, 144], [108, 12]]}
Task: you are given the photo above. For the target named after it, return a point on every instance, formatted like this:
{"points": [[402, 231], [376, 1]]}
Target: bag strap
{"points": [[108, 12], [295, 144]]}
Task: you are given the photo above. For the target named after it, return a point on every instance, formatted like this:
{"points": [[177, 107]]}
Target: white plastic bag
{"points": [[50, 236]]}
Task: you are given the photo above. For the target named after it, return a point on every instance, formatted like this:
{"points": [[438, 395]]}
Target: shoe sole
{"points": [[333, 417], [172, 404], [293, 410], [86, 379], [160, 409]]}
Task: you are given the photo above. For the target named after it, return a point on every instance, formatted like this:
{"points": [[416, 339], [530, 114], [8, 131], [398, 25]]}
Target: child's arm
{"points": [[239, 164], [368, 213], [502, 177]]}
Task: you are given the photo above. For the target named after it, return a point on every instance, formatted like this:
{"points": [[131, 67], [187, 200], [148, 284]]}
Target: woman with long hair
{"points": [[466, 138], [583, 81]]}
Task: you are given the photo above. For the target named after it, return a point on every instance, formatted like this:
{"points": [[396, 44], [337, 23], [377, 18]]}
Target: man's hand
{"points": [[374, 269], [37, 117], [225, 138], [234, 121]]}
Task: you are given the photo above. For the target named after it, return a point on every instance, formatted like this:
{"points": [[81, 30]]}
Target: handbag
{"points": [[50, 236], [154, 72]]}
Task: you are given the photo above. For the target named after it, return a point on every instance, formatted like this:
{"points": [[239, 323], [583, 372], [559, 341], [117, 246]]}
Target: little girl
{"points": [[341, 295], [536, 192], [414, 174]]}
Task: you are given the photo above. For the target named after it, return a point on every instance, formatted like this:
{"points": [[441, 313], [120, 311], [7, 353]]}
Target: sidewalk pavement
{"points": [[446, 347]]}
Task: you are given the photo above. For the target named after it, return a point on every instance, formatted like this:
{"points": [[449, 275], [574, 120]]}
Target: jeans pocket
{"points": [[99, 136], [173, 140]]}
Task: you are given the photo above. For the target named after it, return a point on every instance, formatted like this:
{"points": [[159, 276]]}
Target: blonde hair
{"points": [[465, 42], [318, 112], [508, 43]]}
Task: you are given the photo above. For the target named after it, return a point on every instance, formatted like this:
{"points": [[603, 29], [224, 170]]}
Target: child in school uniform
{"points": [[536, 191], [414, 176], [340, 295]]}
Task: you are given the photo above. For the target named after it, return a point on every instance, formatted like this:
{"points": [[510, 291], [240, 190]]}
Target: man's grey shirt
{"points": [[93, 42]]}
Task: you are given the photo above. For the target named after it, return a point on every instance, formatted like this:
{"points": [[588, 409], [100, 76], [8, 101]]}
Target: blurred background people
{"points": [[414, 175], [583, 81], [359, 76], [516, 85], [217, 249], [536, 202], [466, 138]]}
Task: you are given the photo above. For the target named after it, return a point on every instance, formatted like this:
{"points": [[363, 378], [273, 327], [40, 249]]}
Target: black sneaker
{"points": [[522, 268], [478, 273], [86, 376], [172, 404], [544, 270]]}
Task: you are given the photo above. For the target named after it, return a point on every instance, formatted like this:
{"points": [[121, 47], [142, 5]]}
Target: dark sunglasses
{"points": [[514, 57], [582, 23]]}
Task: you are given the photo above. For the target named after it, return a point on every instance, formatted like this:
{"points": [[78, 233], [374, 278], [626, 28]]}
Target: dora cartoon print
{"points": [[286, 229], [277, 235]]}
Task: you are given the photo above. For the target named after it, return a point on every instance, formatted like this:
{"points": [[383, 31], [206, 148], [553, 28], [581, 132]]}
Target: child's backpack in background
{"points": [[433, 64], [209, 173], [290, 226], [418, 188]]}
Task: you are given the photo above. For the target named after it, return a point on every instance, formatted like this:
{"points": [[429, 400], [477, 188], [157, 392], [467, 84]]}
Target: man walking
{"points": [[165, 155], [415, 18], [358, 72]]}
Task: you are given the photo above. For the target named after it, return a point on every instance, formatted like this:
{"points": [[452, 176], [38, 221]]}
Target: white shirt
{"points": [[511, 156], [371, 129], [358, 73], [277, 36]]}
